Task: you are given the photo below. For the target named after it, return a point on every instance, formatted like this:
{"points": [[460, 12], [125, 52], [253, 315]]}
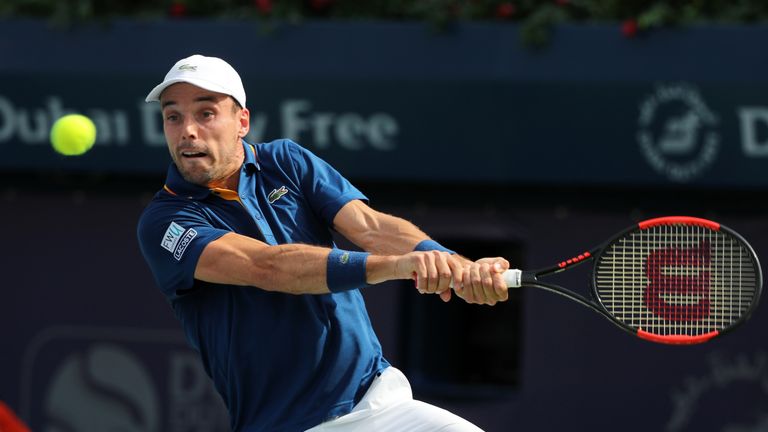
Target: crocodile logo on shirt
{"points": [[276, 194]]}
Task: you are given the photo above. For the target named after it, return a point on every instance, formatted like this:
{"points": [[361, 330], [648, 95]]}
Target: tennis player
{"points": [[239, 241]]}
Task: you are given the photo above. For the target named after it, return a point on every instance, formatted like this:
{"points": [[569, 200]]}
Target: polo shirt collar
{"points": [[251, 163], [177, 185], [181, 187]]}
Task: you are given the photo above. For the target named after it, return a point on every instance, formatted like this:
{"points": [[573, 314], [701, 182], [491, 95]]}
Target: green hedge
{"points": [[535, 16]]}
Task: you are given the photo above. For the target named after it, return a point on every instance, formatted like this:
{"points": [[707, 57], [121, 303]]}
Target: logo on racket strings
{"points": [[677, 132], [679, 283]]}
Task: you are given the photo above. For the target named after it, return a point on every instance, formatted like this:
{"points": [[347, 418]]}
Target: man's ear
{"points": [[245, 123]]}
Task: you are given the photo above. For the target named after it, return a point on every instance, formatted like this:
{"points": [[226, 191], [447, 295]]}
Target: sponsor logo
{"points": [[298, 119], [172, 236], [105, 376], [176, 239], [94, 379], [344, 258], [276, 194], [739, 378], [677, 132], [188, 236], [188, 67]]}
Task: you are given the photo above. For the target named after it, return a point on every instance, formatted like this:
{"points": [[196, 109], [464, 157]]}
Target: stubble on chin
{"points": [[198, 178]]}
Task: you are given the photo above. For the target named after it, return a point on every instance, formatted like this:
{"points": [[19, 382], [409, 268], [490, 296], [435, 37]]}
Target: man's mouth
{"points": [[188, 154]]}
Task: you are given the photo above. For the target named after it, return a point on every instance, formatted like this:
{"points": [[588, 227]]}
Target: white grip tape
{"points": [[512, 278]]}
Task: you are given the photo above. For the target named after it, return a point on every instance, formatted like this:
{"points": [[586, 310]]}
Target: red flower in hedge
{"points": [[320, 5], [629, 28], [505, 10], [177, 10], [263, 6]]}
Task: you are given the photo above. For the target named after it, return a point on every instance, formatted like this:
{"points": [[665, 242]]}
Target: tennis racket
{"points": [[673, 280]]}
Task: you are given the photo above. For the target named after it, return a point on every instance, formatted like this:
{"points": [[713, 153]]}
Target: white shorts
{"points": [[388, 406]]}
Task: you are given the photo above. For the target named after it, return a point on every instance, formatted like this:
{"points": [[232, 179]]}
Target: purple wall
{"points": [[88, 338]]}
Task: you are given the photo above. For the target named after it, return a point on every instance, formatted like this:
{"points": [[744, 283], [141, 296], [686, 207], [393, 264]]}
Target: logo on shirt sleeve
{"points": [[176, 239]]}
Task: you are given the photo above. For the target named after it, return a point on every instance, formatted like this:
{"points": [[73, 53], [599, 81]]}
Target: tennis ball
{"points": [[73, 134]]}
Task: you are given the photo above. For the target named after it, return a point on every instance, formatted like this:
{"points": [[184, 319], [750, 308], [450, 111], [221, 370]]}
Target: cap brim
{"points": [[154, 95]]}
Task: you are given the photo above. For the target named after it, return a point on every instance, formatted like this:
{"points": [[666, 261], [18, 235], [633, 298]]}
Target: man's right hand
{"points": [[432, 271]]}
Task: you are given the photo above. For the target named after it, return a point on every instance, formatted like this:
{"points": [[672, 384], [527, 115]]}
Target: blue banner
{"points": [[443, 120]]}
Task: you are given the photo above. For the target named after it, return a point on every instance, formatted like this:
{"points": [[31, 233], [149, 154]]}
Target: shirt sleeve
{"points": [[172, 236], [325, 188]]}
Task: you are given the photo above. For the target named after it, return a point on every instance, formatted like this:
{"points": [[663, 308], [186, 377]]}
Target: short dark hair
{"points": [[236, 106]]}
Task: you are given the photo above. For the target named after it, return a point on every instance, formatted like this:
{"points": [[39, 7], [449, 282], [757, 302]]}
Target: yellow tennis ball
{"points": [[73, 134]]}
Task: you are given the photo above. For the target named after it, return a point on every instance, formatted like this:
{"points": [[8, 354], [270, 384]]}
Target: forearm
{"points": [[377, 232], [291, 268], [238, 260], [392, 235]]}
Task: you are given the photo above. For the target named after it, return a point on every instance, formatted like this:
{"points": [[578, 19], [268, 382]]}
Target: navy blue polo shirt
{"points": [[281, 362]]}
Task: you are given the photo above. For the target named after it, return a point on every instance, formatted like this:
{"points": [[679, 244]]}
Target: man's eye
{"points": [[171, 117]]}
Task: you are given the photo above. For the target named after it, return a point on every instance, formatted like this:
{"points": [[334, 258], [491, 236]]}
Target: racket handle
{"points": [[512, 278]]}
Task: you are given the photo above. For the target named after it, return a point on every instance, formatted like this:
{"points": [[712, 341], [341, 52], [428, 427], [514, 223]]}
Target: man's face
{"points": [[203, 131]]}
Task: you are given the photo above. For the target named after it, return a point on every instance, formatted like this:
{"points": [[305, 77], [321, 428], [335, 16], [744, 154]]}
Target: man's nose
{"points": [[189, 128]]}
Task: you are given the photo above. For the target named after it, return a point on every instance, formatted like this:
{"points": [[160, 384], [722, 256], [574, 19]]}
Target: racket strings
{"points": [[677, 280]]}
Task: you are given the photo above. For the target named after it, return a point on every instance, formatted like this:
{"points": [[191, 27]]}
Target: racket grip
{"points": [[512, 278]]}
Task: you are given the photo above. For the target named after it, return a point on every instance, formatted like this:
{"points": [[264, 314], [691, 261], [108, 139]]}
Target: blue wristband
{"points": [[430, 245], [346, 270]]}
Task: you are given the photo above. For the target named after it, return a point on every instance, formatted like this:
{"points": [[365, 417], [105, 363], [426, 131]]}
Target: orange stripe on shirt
{"points": [[227, 194], [167, 189]]}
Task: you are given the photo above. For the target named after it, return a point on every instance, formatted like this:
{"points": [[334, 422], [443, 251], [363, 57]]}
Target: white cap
{"points": [[210, 73]]}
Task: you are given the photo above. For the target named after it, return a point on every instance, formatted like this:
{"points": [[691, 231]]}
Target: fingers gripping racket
{"points": [[674, 280]]}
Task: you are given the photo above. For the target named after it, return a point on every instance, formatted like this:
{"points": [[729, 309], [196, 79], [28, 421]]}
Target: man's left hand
{"points": [[483, 283]]}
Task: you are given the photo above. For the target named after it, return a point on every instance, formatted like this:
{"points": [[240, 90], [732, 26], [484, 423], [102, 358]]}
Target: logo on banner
{"points": [[677, 132], [89, 379], [104, 387], [738, 381]]}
